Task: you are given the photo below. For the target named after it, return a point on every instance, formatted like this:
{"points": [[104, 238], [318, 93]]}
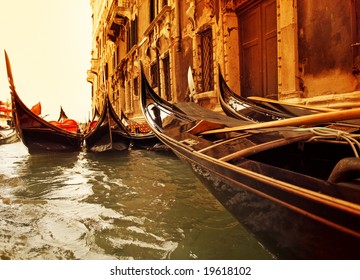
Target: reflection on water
{"points": [[128, 205]]}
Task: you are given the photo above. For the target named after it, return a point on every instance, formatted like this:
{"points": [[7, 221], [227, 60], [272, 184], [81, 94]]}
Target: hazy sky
{"points": [[49, 46]]}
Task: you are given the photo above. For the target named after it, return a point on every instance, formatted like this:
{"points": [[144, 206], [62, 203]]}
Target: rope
{"points": [[338, 135]]}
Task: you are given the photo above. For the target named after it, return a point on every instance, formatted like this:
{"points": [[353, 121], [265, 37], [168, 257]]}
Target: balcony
{"points": [[118, 15], [159, 19]]}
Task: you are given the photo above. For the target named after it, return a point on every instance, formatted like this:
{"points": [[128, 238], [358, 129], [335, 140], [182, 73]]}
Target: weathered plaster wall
{"points": [[325, 54]]}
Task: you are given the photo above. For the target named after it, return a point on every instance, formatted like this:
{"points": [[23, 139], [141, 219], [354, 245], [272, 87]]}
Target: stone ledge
{"points": [[335, 100]]}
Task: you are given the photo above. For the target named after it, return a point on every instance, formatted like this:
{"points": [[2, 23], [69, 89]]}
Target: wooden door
{"points": [[258, 47]]}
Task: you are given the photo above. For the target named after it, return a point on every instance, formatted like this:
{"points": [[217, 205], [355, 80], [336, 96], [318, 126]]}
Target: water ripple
{"points": [[129, 205]]}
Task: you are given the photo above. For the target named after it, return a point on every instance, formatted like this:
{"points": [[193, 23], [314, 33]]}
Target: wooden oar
{"points": [[262, 99], [315, 119]]}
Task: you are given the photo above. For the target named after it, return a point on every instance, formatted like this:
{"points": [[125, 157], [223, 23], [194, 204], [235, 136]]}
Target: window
{"points": [[106, 71], [136, 86], [132, 34], [167, 88], [118, 55], [154, 73], [114, 60], [207, 60], [134, 31], [153, 9]]}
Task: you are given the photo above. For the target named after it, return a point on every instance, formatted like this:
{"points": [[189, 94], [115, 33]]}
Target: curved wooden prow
{"points": [[9, 72]]}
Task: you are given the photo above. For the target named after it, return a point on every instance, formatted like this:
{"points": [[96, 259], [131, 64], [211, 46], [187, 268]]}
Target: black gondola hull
{"points": [[111, 134], [134, 140], [37, 134], [44, 140], [40, 136], [289, 226], [274, 181]]}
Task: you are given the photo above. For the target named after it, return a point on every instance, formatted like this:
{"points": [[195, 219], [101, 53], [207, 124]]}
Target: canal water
{"points": [[131, 205]]}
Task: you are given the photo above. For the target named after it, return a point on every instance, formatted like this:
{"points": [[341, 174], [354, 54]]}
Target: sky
{"points": [[49, 46]]}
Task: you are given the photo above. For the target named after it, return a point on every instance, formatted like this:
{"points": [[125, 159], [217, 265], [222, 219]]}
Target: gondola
{"points": [[37, 134], [239, 107], [62, 116], [259, 109], [98, 136], [296, 189], [8, 136], [112, 133]]}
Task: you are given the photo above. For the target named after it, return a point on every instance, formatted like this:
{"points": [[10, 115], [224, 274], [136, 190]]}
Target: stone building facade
{"points": [[300, 51]]}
